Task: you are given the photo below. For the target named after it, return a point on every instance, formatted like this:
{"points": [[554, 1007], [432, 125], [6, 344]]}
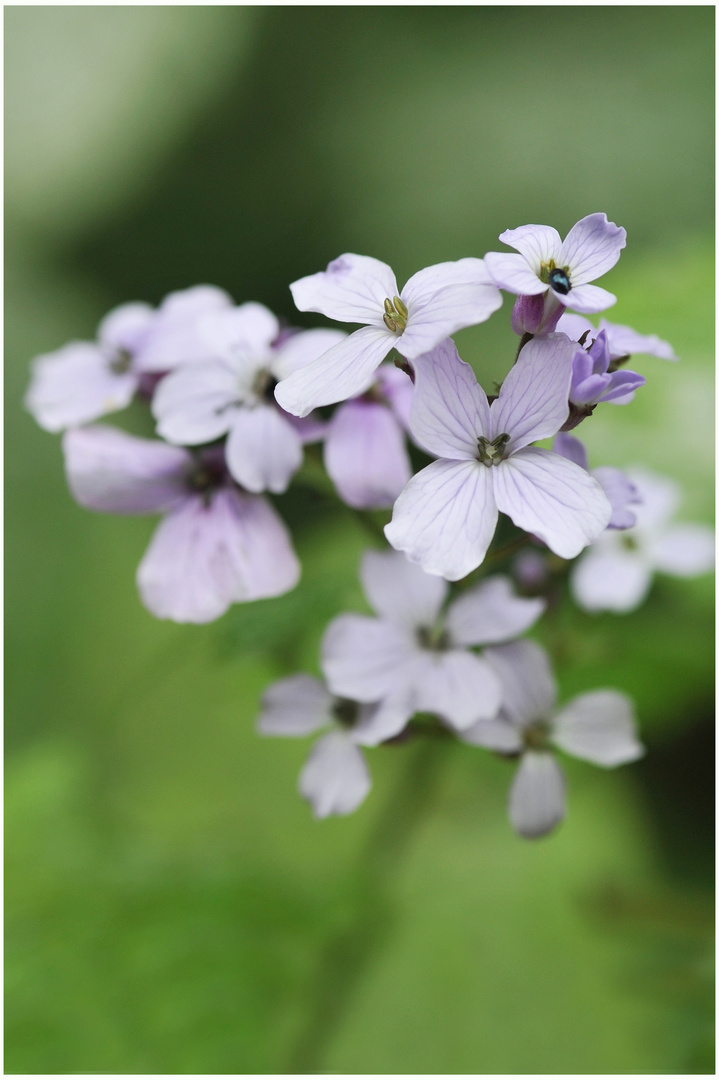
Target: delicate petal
{"points": [[497, 735], [335, 779], [401, 592], [660, 498], [377, 723], [623, 341], [310, 428], [512, 272], [458, 686], [588, 298], [537, 314], [125, 326], [443, 299], [598, 727], [590, 248], [622, 386], [491, 612], [366, 659], [536, 243], [396, 386], [533, 402], [345, 370], [449, 408], [196, 403], [528, 688], [573, 449], [174, 336], [244, 331], [610, 580], [536, 799], [622, 495], [445, 518], [552, 498], [301, 349], [576, 325], [205, 556], [298, 705], [426, 283], [263, 450], [365, 455], [684, 550], [111, 471], [76, 384], [353, 288]]}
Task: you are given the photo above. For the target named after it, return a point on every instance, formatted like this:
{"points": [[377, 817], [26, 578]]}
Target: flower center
{"points": [[491, 453], [206, 473], [120, 363], [628, 542], [433, 637], [536, 736], [345, 712], [264, 385], [555, 276], [395, 315]]}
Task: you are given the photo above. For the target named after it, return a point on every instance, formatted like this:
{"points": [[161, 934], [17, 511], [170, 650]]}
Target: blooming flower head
{"points": [[597, 727], [616, 573], [622, 341], [215, 546], [434, 303], [418, 649], [446, 516], [335, 779], [229, 390]]}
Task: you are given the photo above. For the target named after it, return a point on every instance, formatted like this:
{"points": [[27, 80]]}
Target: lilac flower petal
{"points": [[111, 471], [589, 390], [552, 498], [533, 402], [353, 288], [75, 385], [449, 408], [205, 556], [196, 403], [623, 341], [246, 331], [498, 735], [613, 580], [298, 705], [458, 686], [423, 285], [443, 299], [335, 778], [396, 386], [528, 313], [588, 298], [400, 591], [263, 450], [684, 550], [660, 497], [382, 721], [174, 337], [598, 727], [622, 495], [301, 349], [445, 518], [512, 272], [345, 370], [573, 449], [125, 326], [365, 455], [366, 659], [590, 248], [528, 688], [491, 612], [536, 243], [576, 325], [309, 429], [623, 384], [536, 799]]}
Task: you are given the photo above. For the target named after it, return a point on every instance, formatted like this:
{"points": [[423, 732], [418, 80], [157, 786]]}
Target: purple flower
{"points": [[417, 649], [597, 727], [592, 381], [232, 393], [434, 303], [617, 486], [364, 452], [616, 573], [446, 516], [622, 341], [215, 546], [335, 779]]}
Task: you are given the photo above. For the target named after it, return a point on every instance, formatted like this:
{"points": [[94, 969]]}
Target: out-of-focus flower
{"points": [[415, 650], [215, 546], [434, 303], [616, 573], [622, 341], [446, 516], [597, 727], [174, 336], [619, 489]]}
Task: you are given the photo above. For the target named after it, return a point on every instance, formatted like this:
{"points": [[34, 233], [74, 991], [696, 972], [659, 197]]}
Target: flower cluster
{"points": [[237, 398]]}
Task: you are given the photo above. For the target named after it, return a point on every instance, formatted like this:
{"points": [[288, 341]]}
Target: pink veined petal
{"points": [[536, 798], [367, 659], [111, 471], [263, 450], [125, 326], [458, 686], [513, 273], [534, 400], [588, 298], [382, 721], [610, 579], [573, 449], [536, 243], [196, 404], [298, 705], [400, 591], [449, 407], [598, 727], [75, 385], [423, 285], [491, 612], [684, 550], [174, 336], [301, 349], [345, 370], [623, 341], [445, 518], [365, 454], [590, 248], [244, 331], [353, 288], [335, 778], [498, 735], [528, 688], [552, 498], [443, 299]]}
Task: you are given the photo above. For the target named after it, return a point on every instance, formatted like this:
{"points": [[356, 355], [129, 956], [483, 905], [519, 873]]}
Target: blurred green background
{"points": [[171, 905]]}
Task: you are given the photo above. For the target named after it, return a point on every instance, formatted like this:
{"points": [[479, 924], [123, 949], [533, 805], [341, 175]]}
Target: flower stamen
{"points": [[491, 453], [395, 315]]}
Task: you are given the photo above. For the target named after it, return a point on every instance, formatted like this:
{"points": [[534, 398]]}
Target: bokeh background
{"points": [[171, 905]]}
